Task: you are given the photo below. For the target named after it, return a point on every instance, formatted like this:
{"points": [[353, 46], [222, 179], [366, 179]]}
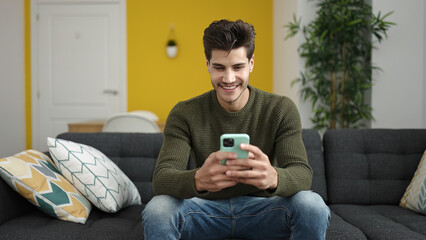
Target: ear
{"points": [[251, 63]]}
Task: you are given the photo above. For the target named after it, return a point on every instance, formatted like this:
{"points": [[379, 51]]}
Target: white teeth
{"points": [[229, 88]]}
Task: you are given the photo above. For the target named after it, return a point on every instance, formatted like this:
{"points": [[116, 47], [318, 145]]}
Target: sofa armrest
{"points": [[313, 146]]}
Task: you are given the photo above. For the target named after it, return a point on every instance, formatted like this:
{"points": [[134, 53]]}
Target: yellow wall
{"points": [[157, 83]]}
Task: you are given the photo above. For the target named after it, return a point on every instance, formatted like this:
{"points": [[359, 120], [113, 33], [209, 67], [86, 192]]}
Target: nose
{"points": [[229, 77]]}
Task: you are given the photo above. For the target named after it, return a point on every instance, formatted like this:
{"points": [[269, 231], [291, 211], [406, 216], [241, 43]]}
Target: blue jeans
{"points": [[301, 216]]}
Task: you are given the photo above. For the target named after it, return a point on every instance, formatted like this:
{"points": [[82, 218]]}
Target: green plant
{"points": [[338, 64], [171, 43]]}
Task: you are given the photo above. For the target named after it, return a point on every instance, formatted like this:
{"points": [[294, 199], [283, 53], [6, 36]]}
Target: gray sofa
{"points": [[361, 174]]}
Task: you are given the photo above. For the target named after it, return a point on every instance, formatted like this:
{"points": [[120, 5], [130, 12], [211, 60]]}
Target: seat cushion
{"points": [[125, 224], [383, 221], [340, 229]]}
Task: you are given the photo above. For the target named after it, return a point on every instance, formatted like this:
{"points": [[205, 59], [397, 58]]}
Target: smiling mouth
{"points": [[229, 88]]}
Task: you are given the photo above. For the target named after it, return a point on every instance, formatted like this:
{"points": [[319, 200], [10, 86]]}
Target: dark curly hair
{"points": [[227, 35]]}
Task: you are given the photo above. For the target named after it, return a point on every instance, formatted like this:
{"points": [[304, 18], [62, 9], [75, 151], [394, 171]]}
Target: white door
{"points": [[78, 64]]}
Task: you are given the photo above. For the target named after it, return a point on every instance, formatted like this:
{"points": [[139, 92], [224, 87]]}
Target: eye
{"points": [[219, 68]]}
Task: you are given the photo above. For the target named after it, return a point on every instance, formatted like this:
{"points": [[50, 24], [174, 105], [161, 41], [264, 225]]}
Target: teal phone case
{"points": [[238, 139]]}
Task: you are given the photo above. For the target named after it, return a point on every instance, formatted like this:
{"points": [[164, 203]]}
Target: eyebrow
{"points": [[235, 65]]}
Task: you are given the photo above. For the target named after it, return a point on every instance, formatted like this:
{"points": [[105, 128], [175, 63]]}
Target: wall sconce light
{"points": [[171, 47]]}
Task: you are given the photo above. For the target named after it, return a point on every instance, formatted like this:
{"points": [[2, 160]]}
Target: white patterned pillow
{"points": [[34, 176], [94, 174], [415, 195]]}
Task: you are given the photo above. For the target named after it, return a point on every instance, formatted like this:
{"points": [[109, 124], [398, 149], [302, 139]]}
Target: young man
{"points": [[263, 197]]}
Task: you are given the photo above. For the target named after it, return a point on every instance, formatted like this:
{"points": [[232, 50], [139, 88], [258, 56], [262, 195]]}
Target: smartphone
{"points": [[231, 143]]}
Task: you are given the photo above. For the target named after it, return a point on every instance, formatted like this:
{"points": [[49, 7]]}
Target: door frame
{"points": [[34, 119]]}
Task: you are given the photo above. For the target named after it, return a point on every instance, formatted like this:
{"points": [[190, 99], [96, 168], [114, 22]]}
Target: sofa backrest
{"points": [[134, 153], [371, 166]]}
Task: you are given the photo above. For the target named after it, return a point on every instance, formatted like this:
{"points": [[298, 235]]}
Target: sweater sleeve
{"points": [[171, 176], [294, 172]]}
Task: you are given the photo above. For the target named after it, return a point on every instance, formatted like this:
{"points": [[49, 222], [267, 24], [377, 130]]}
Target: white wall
{"points": [[285, 56], [12, 77], [424, 67], [287, 63], [398, 96]]}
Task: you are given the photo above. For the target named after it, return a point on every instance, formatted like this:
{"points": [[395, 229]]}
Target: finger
{"points": [[251, 148], [214, 182], [257, 153], [222, 178], [218, 156], [255, 182], [248, 174], [225, 155], [214, 187], [249, 177], [236, 168], [216, 170], [245, 163], [219, 186]]}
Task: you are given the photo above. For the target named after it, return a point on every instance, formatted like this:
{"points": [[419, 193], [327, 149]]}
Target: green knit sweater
{"points": [[193, 128]]}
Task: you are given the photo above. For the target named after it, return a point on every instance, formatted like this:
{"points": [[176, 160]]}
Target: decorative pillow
{"points": [[94, 174], [415, 195], [33, 175]]}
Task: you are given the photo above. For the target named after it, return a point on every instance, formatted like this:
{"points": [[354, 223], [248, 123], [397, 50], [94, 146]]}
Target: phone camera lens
{"points": [[228, 142]]}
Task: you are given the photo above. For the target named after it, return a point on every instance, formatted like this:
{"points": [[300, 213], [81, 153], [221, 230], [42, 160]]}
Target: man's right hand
{"points": [[211, 176]]}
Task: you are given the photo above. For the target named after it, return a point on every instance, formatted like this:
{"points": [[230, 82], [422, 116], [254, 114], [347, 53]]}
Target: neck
{"points": [[238, 104]]}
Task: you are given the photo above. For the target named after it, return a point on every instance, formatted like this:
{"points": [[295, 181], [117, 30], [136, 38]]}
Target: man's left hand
{"points": [[260, 173]]}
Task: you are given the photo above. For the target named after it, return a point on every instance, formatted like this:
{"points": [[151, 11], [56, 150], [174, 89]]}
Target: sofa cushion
{"points": [[383, 221], [371, 166], [33, 175], [94, 174], [125, 224], [313, 145], [415, 196], [340, 229], [134, 153], [12, 204]]}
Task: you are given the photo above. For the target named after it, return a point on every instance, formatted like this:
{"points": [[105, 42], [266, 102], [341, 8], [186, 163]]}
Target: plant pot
{"points": [[171, 51]]}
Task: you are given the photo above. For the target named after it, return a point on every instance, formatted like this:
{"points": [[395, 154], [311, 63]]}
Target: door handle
{"points": [[110, 91]]}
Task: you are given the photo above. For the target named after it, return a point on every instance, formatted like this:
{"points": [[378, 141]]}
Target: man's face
{"points": [[229, 74]]}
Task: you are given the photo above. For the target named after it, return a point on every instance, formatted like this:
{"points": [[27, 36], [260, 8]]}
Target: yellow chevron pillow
{"points": [[34, 176], [415, 195]]}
